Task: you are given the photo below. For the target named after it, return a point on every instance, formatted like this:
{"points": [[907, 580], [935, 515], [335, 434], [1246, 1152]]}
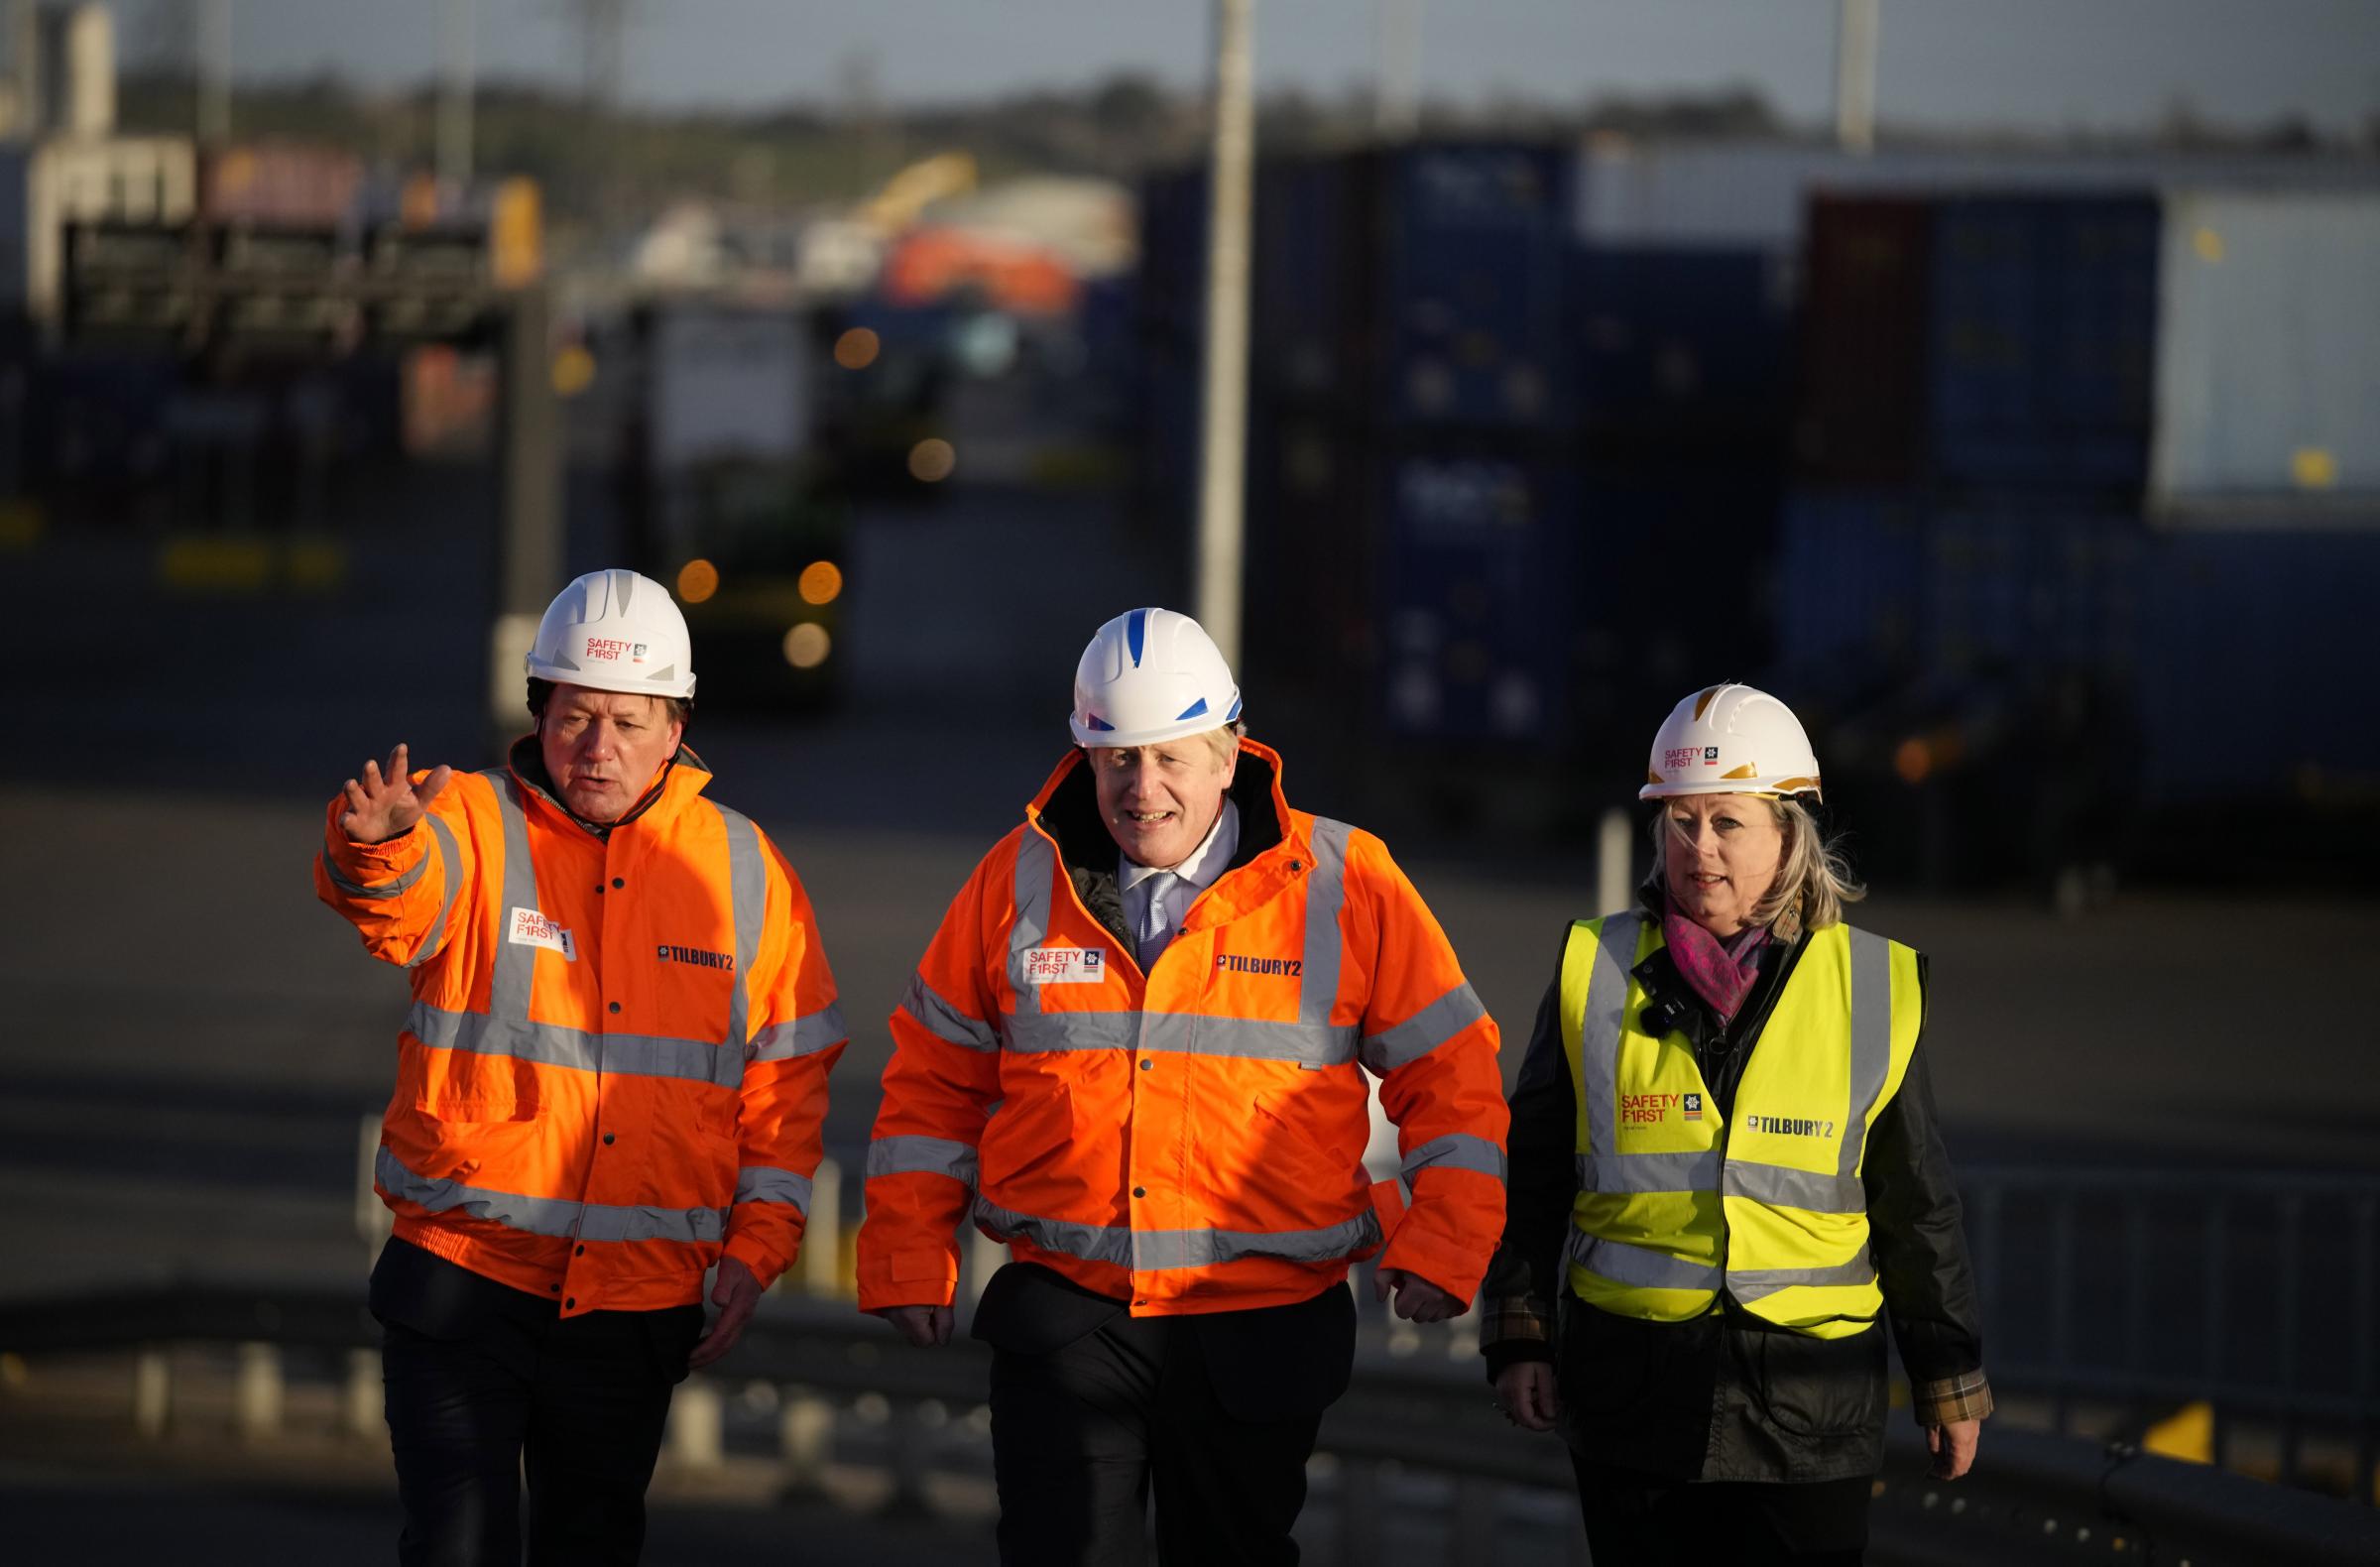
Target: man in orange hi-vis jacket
{"points": [[1136, 1051], [613, 1077]]}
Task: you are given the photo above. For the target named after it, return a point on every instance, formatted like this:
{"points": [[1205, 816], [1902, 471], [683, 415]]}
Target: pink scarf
{"points": [[1720, 971]]}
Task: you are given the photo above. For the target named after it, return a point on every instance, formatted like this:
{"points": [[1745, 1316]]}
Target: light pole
{"points": [[1223, 404], [1856, 75], [458, 23]]}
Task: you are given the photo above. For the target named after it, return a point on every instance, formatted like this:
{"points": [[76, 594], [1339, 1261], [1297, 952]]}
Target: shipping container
{"points": [[2027, 589], [1681, 349], [1173, 253], [1861, 413], [2041, 326], [1309, 279], [1989, 341], [1473, 600], [2256, 643], [1850, 577], [1471, 246], [2267, 358], [1757, 194]]}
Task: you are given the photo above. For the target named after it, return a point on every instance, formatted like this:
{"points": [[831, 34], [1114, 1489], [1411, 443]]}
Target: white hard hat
{"points": [[1148, 675], [1731, 740], [615, 631]]}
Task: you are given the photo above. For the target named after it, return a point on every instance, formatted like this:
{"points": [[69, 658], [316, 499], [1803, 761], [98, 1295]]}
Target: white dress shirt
{"points": [[1179, 890]]}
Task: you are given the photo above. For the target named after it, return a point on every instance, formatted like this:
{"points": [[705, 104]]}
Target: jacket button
{"points": [[615, 1005], [1296, 866], [615, 881], [557, 1288], [607, 1143], [1145, 1066], [570, 1304], [598, 889], [1137, 1191], [581, 1251]]}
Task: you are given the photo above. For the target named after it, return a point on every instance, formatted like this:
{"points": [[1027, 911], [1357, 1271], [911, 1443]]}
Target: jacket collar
{"points": [[682, 777]]}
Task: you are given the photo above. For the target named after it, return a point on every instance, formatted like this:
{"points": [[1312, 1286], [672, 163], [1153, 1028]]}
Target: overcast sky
{"points": [[2041, 63]]}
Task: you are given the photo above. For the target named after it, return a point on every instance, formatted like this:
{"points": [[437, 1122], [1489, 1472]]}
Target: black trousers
{"points": [[1645, 1520], [1217, 1413], [484, 1381]]}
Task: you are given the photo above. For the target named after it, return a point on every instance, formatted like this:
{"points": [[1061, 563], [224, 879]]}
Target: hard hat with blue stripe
{"points": [[1149, 676]]}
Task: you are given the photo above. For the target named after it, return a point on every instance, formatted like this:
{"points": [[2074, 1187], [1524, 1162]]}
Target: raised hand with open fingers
{"points": [[385, 803]]}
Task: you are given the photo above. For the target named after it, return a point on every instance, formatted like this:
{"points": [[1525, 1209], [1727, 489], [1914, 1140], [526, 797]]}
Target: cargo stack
{"points": [[2050, 448], [1411, 505]]}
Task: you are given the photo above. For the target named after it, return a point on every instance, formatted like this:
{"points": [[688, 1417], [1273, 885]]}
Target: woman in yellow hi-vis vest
{"points": [[1726, 1174]]}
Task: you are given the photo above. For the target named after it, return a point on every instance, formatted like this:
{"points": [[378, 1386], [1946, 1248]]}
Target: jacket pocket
{"points": [[465, 1133], [1302, 1156], [1034, 1127], [1816, 1387]]}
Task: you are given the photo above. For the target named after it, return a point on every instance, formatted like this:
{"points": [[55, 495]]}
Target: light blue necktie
{"points": [[1154, 924]]}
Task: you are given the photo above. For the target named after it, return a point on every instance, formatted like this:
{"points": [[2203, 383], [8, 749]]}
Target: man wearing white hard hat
{"points": [[1137, 1051], [1727, 1174], [612, 1079]]}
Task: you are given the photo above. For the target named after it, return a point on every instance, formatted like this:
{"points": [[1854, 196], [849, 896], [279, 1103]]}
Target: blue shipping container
{"points": [[1473, 622], [1681, 346], [2040, 337], [2252, 638], [1471, 243]]}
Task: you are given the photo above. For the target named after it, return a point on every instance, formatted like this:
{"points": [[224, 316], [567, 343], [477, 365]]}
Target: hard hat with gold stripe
{"points": [[1731, 740]]}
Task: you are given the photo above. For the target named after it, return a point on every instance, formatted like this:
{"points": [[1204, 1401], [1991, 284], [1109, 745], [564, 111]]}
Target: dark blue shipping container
{"points": [[1307, 313], [1173, 253], [2257, 642], [2040, 337], [1471, 245], [1472, 630], [2028, 588], [1681, 348], [1851, 583]]}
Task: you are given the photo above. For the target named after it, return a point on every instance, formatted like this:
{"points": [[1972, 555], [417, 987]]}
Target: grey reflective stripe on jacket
{"points": [[1182, 1033], [1637, 1265], [549, 1216], [1456, 1150], [451, 866], [1326, 895], [1424, 1031], [767, 1183], [1153, 1251], [905, 1154], [551, 1044], [1312, 1040], [1599, 1034], [807, 1035], [396, 887], [748, 907], [939, 1017]]}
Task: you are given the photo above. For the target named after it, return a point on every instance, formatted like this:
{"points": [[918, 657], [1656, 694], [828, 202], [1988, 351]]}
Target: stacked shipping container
{"points": [[2095, 443]]}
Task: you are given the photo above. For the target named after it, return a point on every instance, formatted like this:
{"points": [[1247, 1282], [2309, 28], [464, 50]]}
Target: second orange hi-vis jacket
{"points": [[615, 1062], [1190, 1140]]}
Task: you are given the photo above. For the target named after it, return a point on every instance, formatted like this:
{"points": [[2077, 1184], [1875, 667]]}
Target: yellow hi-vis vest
{"points": [[1675, 1202]]}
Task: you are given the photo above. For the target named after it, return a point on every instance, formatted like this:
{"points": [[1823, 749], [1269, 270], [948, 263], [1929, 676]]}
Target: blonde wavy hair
{"points": [[1814, 879]]}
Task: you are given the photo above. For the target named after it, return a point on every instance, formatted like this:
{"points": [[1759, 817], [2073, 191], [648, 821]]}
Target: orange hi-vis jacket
{"points": [[615, 1062], [1190, 1140]]}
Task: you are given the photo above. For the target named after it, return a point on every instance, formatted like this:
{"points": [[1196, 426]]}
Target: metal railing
{"points": [[2114, 1297]]}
